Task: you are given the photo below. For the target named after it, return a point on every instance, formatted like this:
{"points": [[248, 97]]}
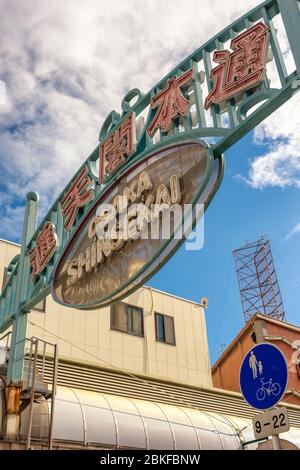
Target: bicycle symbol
{"points": [[268, 388]]}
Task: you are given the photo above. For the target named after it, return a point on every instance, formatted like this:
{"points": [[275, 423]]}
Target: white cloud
{"points": [[67, 64], [293, 232], [279, 166]]}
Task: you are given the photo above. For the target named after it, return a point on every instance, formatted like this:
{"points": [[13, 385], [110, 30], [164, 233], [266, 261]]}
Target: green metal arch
{"points": [[21, 292]]}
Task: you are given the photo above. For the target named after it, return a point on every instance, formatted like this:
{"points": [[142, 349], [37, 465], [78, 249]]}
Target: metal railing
{"points": [[30, 378]]}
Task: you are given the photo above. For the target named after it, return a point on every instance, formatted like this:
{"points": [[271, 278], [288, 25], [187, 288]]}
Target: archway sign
{"points": [[164, 146]]}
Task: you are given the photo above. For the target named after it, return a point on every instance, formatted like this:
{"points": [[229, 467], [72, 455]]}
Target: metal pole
{"points": [[44, 358], [16, 356], [276, 443], [29, 430], [55, 367], [29, 363]]}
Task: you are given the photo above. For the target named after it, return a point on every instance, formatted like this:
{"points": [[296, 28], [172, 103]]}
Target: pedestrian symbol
{"points": [[263, 376], [253, 364]]}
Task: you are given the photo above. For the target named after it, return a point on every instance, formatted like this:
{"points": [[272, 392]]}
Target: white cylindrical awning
{"points": [[96, 419]]}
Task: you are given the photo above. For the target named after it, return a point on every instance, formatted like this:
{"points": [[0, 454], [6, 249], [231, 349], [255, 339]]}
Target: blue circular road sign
{"points": [[263, 376]]}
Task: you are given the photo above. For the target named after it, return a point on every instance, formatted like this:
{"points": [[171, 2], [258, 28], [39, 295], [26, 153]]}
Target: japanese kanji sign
{"points": [[117, 242], [241, 69], [118, 146], [46, 243], [77, 195], [170, 103]]}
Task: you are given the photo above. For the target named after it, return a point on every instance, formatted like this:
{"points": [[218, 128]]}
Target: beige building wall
{"points": [[86, 336]]}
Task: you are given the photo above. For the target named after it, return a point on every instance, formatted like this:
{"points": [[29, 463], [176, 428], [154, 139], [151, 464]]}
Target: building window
{"points": [[127, 319], [164, 326]]}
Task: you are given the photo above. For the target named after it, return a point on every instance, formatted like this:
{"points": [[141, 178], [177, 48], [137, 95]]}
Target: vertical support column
{"points": [[291, 19], [35, 344], [54, 388], [276, 443], [16, 356]]}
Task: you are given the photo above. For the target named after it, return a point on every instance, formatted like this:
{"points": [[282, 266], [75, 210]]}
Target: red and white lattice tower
{"points": [[258, 283]]}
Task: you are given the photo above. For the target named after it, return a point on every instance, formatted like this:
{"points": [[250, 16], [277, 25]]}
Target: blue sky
{"points": [[65, 65], [239, 213]]}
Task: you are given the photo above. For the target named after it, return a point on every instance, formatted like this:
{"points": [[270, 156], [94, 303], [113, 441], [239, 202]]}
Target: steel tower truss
{"points": [[258, 283]]}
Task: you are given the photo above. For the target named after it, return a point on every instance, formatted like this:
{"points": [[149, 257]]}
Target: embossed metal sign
{"points": [[136, 225]]}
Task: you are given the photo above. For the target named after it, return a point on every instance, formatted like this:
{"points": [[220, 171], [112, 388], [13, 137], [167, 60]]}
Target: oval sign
{"points": [[136, 225]]}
